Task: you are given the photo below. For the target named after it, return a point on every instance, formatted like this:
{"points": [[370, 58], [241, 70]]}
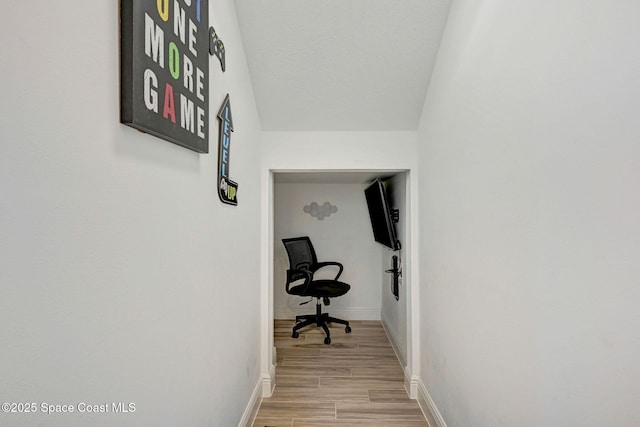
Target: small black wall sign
{"points": [[164, 74], [216, 48], [227, 189]]}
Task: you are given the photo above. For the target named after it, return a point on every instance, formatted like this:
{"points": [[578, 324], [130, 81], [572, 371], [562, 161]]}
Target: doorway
{"points": [[289, 195]]}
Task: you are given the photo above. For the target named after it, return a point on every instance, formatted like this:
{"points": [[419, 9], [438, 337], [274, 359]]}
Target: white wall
{"points": [[123, 278], [309, 151], [344, 236], [394, 312], [529, 201]]}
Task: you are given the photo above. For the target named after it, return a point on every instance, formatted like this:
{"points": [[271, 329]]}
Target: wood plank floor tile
{"points": [[379, 411], [283, 410], [296, 381], [298, 351], [356, 423], [389, 396], [373, 349], [272, 422], [314, 371], [370, 383], [343, 360], [378, 372], [312, 394]]}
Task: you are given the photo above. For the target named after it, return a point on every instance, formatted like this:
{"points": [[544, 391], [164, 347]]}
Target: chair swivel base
{"points": [[320, 320]]}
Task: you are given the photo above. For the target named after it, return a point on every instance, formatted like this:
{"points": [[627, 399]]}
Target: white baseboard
{"points": [[345, 313], [394, 343], [251, 410], [411, 383], [428, 406], [269, 381]]}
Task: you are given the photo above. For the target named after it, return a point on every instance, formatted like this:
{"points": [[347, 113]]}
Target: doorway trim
{"points": [[267, 349]]}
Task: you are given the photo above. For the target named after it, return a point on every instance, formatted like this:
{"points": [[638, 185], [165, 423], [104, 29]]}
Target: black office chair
{"points": [[302, 266]]}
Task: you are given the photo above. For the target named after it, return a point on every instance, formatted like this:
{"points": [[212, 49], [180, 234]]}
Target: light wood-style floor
{"points": [[356, 381]]}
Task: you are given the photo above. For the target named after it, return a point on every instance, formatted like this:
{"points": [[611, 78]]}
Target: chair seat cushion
{"points": [[321, 289]]}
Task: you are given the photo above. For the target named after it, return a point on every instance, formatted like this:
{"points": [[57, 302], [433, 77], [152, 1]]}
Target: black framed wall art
{"points": [[164, 69]]}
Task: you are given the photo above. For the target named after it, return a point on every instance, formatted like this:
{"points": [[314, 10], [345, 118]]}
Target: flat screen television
{"points": [[384, 231]]}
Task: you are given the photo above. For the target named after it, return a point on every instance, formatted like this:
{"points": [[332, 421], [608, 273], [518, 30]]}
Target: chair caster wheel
{"points": [[295, 334], [327, 340], [348, 329]]}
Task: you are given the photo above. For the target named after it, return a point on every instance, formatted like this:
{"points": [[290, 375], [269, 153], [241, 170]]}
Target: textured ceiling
{"points": [[331, 65]]}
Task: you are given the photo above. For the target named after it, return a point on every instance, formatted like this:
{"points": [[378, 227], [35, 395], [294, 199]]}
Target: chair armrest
{"points": [[293, 275], [319, 265]]}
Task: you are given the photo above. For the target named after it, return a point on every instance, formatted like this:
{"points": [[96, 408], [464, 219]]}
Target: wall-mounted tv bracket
{"points": [[395, 215], [396, 275], [216, 47]]}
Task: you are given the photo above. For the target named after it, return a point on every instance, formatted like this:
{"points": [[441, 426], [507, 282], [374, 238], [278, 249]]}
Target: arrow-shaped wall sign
{"points": [[227, 189]]}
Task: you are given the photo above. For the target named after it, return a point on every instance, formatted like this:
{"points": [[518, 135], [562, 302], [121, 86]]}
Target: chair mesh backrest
{"points": [[300, 251]]}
